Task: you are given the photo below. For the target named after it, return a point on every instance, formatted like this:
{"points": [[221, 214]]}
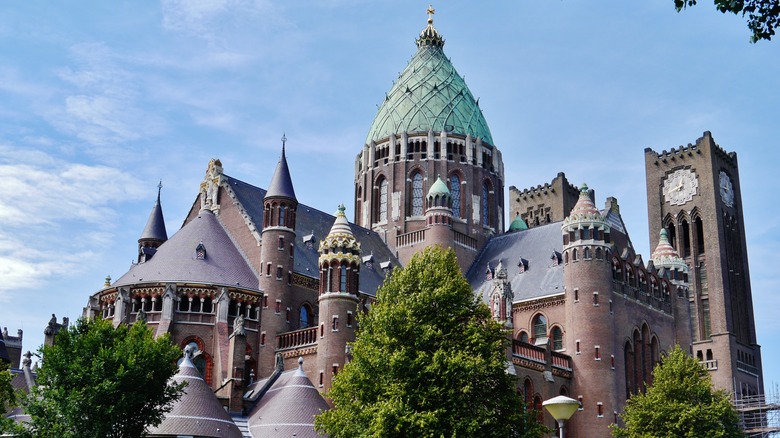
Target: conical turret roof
{"points": [[281, 184], [198, 412], [155, 225], [429, 95]]}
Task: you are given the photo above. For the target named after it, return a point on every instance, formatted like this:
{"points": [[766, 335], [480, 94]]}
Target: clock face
{"points": [[726, 189], [680, 186]]}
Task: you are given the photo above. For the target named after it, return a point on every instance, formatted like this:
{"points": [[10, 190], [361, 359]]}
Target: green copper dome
{"points": [[429, 95], [518, 224], [439, 188]]}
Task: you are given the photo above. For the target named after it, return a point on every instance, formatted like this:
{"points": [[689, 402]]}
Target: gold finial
{"points": [[430, 12]]}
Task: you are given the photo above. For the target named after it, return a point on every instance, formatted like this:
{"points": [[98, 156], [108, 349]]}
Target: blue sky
{"points": [[101, 100]]}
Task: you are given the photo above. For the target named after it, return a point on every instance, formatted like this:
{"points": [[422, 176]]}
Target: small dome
{"points": [[584, 205], [518, 224], [665, 256], [439, 188]]}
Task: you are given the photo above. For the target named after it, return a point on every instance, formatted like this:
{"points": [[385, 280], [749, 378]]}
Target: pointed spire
{"points": [[155, 225], [281, 184], [341, 224], [430, 36]]}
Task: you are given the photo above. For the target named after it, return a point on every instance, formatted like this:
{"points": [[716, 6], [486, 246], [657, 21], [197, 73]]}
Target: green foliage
{"points": [[680, 403], [428, 361], [763, 16], [100, 381], [7, 398]]}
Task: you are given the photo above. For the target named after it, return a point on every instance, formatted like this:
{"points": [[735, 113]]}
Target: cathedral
{"points": [[261, 291]]}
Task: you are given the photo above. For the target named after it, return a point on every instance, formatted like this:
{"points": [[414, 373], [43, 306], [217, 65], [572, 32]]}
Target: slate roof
{"points": [[281, 183], [288, 408], [309, 220], [155, 225], [536, 246], [197, 412], [175, 260]]}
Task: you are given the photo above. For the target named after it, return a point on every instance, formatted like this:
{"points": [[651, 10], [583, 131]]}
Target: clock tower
{"points": [[693, 191]]}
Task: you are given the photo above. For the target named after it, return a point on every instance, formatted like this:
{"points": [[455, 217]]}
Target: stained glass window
{"points": [[383, 200], [485, 207], [417, 194], [455, 193]]}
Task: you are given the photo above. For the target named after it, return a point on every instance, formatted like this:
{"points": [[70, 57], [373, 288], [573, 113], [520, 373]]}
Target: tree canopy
{"points": [[680, 403], [7, 398], [763, 16], [101, 381], [428, 361]]}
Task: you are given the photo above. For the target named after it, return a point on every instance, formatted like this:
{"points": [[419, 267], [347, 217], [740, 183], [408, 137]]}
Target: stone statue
{"points": [[238, 326], [141, 316]]}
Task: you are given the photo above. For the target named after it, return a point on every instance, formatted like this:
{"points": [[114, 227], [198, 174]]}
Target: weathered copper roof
{"points": [[197, 412], [429, 95]]}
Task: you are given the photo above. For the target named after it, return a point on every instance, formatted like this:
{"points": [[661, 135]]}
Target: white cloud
{"points": [[42, 197]]}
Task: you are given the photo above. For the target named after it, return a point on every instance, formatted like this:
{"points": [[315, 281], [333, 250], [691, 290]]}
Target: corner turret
{"points": [[277, 258], [154, 233], [338, 301]]}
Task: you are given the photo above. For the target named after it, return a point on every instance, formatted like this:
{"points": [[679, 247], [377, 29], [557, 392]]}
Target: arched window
{"points": [[343, 279], [540, 329], [417, 194], [304, 317], [557, 338], [528, 392], [524, 337], [455, 193], [485, 205], [282, 210], [383, 200]]}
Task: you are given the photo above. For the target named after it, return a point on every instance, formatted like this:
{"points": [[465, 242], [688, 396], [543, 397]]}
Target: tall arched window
{"points": [[417, 194], [282, 209], [455, 194], [383, 200], [343, 279], [557, 338], [485, 205], [540, 329], [304, 317]]}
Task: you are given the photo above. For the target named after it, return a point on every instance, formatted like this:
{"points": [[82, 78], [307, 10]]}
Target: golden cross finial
{"points": [[430, 12]]}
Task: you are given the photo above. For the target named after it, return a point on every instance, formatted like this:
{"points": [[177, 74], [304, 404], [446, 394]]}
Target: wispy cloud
{"points": [[42, 195]]}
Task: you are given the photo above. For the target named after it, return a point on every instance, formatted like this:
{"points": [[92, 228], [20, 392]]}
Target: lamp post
{"points": [[561, 408]]}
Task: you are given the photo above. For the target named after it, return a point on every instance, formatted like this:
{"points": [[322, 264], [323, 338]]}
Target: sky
{"points": [[99, 101]]}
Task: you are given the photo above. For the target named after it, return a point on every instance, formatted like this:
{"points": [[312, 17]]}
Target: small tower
{"points": [[276, 255], [339, 281], [666, 258], [588, 278], [154, 233], [438, 215]]}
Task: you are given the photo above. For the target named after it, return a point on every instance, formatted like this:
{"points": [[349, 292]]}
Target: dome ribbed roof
{"points": [[429, 95], [439, 188], [665, 256], [518, 224]]}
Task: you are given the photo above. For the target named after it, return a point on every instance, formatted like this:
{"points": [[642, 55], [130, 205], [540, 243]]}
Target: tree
{"points": [[428, 361], [681, 402], [101, 381], [7, 398], [763, 16]]}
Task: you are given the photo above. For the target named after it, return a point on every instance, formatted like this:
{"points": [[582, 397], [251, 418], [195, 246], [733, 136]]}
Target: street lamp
{"points": [[561, 408]]}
